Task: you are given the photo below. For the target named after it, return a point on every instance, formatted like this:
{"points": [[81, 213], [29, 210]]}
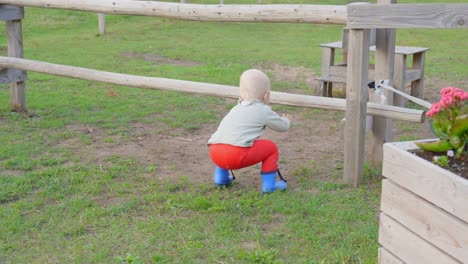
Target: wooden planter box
{"points": [[424, 210]]}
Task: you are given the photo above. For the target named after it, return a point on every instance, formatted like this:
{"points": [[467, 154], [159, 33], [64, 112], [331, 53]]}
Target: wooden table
{"points": [[403, 75]]}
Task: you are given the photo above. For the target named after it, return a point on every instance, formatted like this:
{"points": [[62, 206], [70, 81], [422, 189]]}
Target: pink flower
{"points": [[446, 101], [435, 109], [465, 96], [448, 113], [446, 91], [459, 94], [452, 99]]}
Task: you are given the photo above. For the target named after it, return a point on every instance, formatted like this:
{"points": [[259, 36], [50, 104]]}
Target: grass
{"points": [[84, 215], [56, 207]]}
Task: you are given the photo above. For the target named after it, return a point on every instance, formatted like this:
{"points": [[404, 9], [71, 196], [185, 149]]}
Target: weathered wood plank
{"points": [[408, 16], [335, 45], [321, 14], [400, 82], [406, 50], [386, 257], [344, 40], [356, 100], [445, 189], [417, 87], [337, 74], [384, 64], [102, 23], [409, 247], [15, 49], [411, 115], [412, 75], [436, 226], [11, 12], [328, 59], [18, 96], [12, 75]]}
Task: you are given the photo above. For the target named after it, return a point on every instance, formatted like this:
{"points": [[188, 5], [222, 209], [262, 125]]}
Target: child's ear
{"points": [[266, 97]]}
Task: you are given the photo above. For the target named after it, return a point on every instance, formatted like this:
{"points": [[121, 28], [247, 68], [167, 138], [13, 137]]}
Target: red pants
{"points": [[231, 157]]}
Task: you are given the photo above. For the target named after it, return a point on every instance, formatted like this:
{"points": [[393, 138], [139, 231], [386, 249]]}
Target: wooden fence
{"points": [[337, 104], [385, 16], [317, 14]]}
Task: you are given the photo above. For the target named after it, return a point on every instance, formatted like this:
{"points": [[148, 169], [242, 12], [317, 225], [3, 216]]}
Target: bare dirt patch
{"points": [[179, 153], [291, 74]]}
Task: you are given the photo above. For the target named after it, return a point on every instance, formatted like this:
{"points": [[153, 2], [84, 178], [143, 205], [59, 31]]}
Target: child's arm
{"points": [[276, 122]]}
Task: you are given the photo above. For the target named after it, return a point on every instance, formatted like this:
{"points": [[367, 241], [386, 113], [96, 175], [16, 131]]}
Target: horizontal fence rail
{"points": [[319, 14], [338, 104], [11, 12], [408, 16]]}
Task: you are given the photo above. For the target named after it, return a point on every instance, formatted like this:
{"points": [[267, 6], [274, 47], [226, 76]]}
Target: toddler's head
{"points": [[254, 84]]}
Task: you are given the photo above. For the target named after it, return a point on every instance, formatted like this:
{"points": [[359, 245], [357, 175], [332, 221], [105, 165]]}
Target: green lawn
{"points": [[55, 206]]}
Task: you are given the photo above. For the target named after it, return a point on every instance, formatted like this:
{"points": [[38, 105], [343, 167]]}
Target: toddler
{"points": [[236, 143]]}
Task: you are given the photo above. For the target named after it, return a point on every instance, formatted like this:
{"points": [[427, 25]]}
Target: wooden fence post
{"points": [[12, 16], [356, 102], [102, 23], [384, 69], [15, 49]]}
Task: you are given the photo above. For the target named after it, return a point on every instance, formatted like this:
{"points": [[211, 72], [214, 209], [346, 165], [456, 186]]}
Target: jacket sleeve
{"points": [[276, 122]]}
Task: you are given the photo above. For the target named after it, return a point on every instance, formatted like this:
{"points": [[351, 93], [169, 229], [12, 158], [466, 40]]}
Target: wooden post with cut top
{"points": [[13, 16], [356, 101]]}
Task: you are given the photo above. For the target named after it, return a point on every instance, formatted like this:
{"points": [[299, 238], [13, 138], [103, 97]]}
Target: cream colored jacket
{"points": [[246, 122]]}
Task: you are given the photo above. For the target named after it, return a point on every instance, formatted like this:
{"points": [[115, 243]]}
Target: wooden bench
{"points": [[403, 75]]}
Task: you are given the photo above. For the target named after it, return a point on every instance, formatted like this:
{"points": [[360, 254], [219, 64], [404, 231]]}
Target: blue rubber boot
{"points": [[269, 184], [221, 177]]}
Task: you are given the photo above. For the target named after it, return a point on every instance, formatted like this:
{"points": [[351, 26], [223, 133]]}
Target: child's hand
{"points": [[287, 116]]}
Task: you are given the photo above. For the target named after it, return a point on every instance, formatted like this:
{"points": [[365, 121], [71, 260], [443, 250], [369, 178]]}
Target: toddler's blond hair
{"points": [[254, 84]]}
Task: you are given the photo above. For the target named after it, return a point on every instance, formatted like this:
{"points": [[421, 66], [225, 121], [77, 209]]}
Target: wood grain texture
{"points": [[15, 49], [102, 23], [433, 224], [417, 86], [400, 82], [384, 64], [321, 14], [409, 247], [12, 75], [15, 38], [411, 115], [444, 188], [408, 16], [386, 257], [11, 12], [356, 101], [328, 59]]}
